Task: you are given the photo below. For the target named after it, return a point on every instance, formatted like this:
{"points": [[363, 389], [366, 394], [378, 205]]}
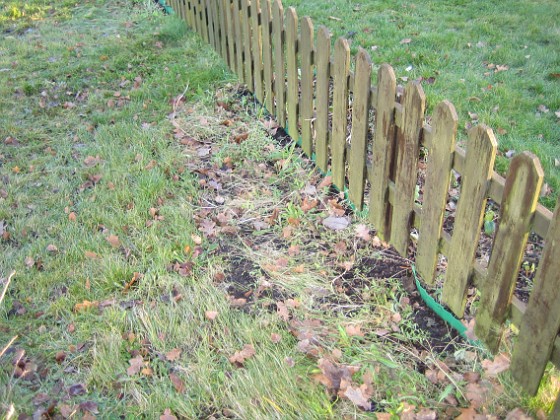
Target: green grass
{"points": [[88, 154], [454, 42]]}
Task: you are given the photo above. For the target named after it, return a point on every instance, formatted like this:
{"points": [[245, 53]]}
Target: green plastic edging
{"points": [[168, 9]]}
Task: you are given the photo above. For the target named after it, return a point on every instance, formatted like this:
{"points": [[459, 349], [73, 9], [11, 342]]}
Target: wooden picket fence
{"points": [[311, 93]]}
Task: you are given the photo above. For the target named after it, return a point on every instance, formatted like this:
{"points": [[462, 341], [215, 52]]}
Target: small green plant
{"points": [[489, 224]]}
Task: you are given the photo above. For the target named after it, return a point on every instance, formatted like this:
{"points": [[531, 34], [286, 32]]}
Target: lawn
{"points": [[164, 258], [497, 62]]}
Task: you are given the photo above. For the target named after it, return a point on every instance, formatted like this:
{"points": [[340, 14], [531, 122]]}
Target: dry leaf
{"points": [[211, 315], [72, 216], [92, 161], [136, 365], [496, 366], [354, 330], [178, 384], [357, 396], [113, 240], [52, 248], [167, 415], [517, 414], [173, 355], [282, 311], [336, 223], [406, 41], [86, 304], [275, 338], [29, 262], [362, 232], [91, 255], [239, 357]]}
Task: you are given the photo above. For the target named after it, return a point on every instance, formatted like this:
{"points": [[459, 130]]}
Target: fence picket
{"points": [[222, 5], [292, 71], [204, 20], [519, 201], [359, 131], [383, 151], [215, 25], [438, 174], [188, 13], [306, 104], [469, 216], [268, 89], [406, 165], [322, 58], [209, 7], [246, 44], [279, 64], [541, 321], [257, 49], [230, 28], [341, 69], [239, 67]]}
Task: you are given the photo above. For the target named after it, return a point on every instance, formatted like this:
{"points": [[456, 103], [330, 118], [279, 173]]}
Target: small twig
{"points": [[6, 286]]}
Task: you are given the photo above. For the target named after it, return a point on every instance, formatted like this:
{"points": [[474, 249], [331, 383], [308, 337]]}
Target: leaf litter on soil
{"points": [[291, 249]]}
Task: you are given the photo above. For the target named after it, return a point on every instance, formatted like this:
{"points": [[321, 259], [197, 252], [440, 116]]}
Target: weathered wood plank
{"points": [[519, 202], [268, 88], [222, 13], [279, 63], [341, 68], [541, 322], [230, 30], [189, 13], [383, 152], [292, 72], [306, 103], [246, 46], [215, 24], [359, 131], [257, 48], [322, 101], [209, 7], [204, 20], [406, 165], [469, 216], [239, 66], [438, 173]]}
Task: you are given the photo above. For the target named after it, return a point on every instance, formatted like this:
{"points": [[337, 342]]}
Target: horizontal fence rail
{"points": [[307, 84]]}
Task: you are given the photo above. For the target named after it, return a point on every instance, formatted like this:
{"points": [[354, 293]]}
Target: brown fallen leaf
{"points": [[241, 356], [406, 41], [136, 364], [362, 232], [496, 366], [113, 240], [357, 396], [52, 249], [167, 415], [86, 304], [211, 315], [282, 311], [92, 161], [354, 330], [178, 384], [72, 216], [135, 277], [333, 374], [173, 355], [275, 338], [29, 262], [91, 255]]}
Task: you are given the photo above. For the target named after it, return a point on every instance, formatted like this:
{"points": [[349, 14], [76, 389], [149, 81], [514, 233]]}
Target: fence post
{"points": [[341, 69], [322, 59], [279, 64], [306, 104], [359, 131], [209, 8], [383, 151], [406, 165], [436, 187], [479, 165], [519, 202], [541, 321]]}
